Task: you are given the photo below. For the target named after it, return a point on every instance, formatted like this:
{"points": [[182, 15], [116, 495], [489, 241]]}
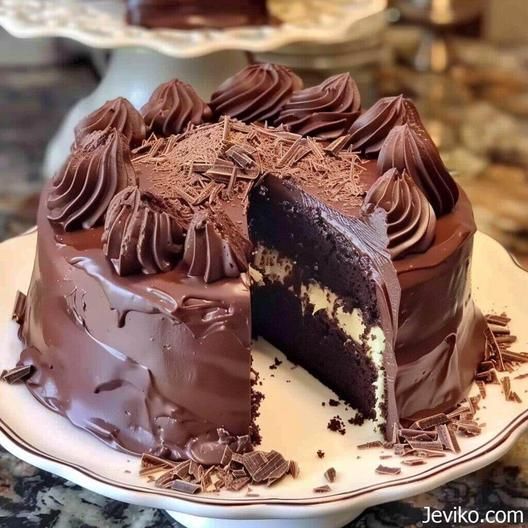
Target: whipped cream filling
{"points": [[270, 266]]}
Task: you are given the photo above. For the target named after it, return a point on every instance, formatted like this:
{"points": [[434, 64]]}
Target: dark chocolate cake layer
{"points": [[194, 14]]}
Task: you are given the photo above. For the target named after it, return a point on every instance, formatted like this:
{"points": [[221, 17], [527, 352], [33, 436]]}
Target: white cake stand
{"points": [[143, 58]]}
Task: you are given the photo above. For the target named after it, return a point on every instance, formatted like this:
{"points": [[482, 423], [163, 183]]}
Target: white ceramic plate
{"points": [[293, 421], [101, 24]]}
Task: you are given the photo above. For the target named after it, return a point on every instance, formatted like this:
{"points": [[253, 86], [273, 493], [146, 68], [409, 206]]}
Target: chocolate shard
{"points": [[17, 374], [165, 480], [322, 489], [19, 309], [444, 436], [226, 456], [386, 470], [185, 487], [370, 445], [181, 470], [274, 467], [431, 445], [238, 483], [294, 469], [330, 474], [413, 461], [431, 421]]}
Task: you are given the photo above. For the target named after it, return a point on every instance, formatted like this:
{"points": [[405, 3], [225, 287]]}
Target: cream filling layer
{"points": [[270, 266]]}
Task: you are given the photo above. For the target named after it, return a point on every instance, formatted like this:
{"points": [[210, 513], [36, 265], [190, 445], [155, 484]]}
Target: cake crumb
{"points": [[320, 453], [337, 425]]}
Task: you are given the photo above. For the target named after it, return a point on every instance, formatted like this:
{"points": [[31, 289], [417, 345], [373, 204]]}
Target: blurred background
{"points": [[465, 62]]}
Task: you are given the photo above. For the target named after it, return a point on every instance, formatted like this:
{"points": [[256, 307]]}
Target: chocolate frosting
{"points": [[411, 221], [256, 93], [371, 128], [325, 111], [214, 248], [118, 113], [141, 233], [92, 175], [172, 106], [411, 149]]}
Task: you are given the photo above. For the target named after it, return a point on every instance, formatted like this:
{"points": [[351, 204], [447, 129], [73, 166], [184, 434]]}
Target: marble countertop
{"points": [[487, 87]]}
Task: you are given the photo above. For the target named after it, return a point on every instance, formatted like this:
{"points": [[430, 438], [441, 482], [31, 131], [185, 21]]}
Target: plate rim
{"points": [[470, 461]]}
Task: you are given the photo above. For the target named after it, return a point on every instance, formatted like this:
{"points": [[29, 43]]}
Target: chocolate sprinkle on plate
{"points": [[330, 474], [386, 470], [17, 374], [320, 453], [20, 307]]}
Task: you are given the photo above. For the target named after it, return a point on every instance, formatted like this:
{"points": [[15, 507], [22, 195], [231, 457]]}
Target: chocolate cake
{"points": [[337, 234], [192, 14]]}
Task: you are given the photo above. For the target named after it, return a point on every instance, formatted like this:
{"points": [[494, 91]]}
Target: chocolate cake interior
{"points": [[314, 296]]}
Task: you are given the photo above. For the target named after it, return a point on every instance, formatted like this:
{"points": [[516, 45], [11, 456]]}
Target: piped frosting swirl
{"points": [[172, 106], [142, 234], [411, 149], [214, 248], [119, 114], [256, 93], [325, 111], [369, 130], [93, 174], [411, 221]]}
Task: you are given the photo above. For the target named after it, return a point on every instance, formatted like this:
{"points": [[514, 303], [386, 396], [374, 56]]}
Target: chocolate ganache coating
{"points": [[93, 174], [411, 149], [172, 107], [214, 248], [256, 93], [142, 234], [325, 111], [369, 130], [411, 221], [118, 113]]}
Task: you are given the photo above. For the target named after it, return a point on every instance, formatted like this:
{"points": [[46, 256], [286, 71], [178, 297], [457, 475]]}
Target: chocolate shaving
{"points": [[506, 387], [275, 467], [338, 144], [322, 489], [17, 374], [430, 421], [413, 461], [370, 445], [185, 487], [432, 445], [293, 469], [19, 308], [386, 470], [330, 474]]}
